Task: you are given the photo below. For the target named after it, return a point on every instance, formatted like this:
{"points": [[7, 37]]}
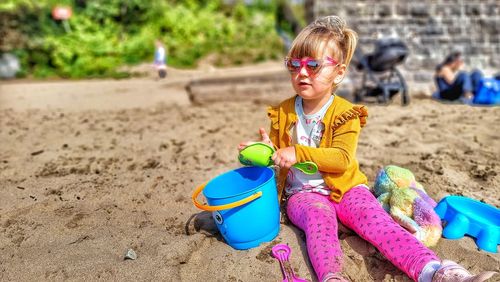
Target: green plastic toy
{"points": [[259, 154]]}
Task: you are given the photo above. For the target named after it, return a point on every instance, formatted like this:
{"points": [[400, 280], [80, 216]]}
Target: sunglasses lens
{"points": [[293, 65], [313, 65]]}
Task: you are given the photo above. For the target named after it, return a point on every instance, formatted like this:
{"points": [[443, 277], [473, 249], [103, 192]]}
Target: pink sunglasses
{"points": [[313, 66]]}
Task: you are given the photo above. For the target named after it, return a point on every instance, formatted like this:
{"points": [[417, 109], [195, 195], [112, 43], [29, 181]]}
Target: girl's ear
{"points": [[340, 74]]}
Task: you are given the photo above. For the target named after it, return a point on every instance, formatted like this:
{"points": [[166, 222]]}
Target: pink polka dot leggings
{"points": [[317, 216]]}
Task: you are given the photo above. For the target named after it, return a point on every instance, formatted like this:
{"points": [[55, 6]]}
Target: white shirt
{"points": [[307, 131]]}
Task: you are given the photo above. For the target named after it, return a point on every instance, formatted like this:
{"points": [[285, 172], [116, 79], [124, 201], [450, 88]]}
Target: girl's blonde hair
{"points": [[329, 33]]}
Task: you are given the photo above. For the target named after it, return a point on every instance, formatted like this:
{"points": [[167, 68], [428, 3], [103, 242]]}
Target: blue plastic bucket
{"points": [[244, 205]]}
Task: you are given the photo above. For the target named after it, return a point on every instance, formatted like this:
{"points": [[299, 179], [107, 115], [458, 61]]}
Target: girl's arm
{"points": [[337, 158]]}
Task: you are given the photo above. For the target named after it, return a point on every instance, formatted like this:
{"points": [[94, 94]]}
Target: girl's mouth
{"points": [[303, 83]]}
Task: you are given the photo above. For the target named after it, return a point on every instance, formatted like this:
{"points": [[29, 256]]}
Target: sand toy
{"points": [[259, 154], [244, 205], [282, 253], [468, 216]]}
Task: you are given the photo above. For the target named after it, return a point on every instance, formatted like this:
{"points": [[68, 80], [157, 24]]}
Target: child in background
{"points": [[318, 126], [160, 61]]}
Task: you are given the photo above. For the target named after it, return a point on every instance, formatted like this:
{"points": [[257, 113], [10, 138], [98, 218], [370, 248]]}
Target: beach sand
{"points": [[89, 169]]}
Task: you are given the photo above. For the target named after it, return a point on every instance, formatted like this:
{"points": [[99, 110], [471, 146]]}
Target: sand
{"points": [[89, 169]]}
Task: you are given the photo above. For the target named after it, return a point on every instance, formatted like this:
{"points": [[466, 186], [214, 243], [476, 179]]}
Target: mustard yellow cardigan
{"points": [[336, 155]]}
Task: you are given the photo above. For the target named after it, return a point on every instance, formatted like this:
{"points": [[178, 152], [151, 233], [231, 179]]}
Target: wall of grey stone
{"points": [[432, 29]]}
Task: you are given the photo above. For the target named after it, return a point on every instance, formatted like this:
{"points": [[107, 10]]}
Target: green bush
{"points": [[107, 34]]}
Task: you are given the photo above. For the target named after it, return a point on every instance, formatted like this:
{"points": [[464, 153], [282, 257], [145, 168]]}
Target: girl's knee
{"points": [[319, 211], [304, 208]]}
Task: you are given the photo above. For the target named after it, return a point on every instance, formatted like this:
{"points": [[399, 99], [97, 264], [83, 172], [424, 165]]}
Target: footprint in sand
{"points": [[74, 222]]}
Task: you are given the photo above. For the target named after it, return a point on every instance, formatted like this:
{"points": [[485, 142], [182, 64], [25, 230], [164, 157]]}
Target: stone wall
{"points": [[432, 29]]}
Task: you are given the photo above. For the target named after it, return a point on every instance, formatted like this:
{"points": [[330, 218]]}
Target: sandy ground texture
{"points": [[89, 169]]}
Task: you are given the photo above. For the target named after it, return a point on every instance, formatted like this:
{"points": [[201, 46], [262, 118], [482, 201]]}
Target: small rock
{"points": [[130, 254], [37, 152]]}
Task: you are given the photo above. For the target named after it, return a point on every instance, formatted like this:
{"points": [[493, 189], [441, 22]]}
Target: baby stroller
{"points": [[381, 79]]}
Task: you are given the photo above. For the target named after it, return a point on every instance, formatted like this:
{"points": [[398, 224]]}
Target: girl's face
{"points": [[312, 85]]}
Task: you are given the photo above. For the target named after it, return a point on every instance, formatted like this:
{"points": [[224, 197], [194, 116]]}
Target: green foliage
{"points": [[106, 34]]}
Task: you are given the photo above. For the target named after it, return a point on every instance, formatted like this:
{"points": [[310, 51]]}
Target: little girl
{"points": [[318, 126]]}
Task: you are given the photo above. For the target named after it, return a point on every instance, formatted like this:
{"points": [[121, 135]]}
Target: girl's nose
{"points": [[303, 71]]}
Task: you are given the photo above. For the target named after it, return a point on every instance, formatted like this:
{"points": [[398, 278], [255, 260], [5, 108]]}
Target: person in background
{"points": [[454, 84], [160, 60]]}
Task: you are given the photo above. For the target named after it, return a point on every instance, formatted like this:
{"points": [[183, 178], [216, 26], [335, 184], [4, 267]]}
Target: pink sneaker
{"points": [[334, 277], [452, 272]]}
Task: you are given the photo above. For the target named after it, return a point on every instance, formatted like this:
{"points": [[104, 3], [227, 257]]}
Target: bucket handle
{"points": [[222, 207]]}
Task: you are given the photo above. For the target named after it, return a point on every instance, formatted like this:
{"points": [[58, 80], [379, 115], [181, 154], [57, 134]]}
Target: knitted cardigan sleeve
{"points": [[273, 114]]}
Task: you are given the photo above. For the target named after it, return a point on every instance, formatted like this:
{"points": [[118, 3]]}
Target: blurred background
{"points": [[100, 36], [431, 29]]}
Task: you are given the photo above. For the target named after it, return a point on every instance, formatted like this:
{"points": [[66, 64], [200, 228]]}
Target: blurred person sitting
{"points": [[454, 84], [160, 60]]}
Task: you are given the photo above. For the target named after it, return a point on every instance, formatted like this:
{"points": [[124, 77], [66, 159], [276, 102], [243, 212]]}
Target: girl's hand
{"points": [[264, 138], [285, 157]]}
